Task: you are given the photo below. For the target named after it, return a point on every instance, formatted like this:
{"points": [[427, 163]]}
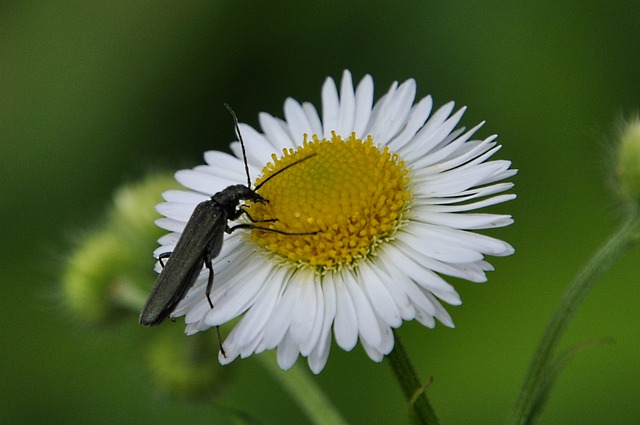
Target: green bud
{"points": [[187, 367], [111, 269], [628, 162], [134, 209], [92, 276]]}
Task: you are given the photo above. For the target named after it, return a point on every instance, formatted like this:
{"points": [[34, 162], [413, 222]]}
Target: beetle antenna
{"points": [[244, 152], [285, 168]]}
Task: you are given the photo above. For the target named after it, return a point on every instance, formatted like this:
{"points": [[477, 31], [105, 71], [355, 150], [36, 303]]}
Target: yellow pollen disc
{"points": [[351, 194]]}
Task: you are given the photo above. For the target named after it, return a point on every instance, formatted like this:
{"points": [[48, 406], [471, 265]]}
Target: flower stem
{"points": [[414, 390], [539, 376], [299, 384]]}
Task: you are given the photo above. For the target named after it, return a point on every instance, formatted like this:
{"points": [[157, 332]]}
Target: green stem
{"points": [[537, 379], [301, 386], [414, 390]]}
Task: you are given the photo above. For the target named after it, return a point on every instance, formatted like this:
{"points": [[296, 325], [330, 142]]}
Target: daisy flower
{"points": [[387, 191]]}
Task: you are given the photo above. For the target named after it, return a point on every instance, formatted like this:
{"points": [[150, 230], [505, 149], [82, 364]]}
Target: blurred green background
{"points": [[97, 94]]}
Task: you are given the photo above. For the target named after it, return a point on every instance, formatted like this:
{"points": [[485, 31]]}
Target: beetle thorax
{"points": [[232, 195]]}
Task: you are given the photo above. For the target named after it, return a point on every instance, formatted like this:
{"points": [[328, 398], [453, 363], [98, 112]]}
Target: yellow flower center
{"points": [[349, 192]]}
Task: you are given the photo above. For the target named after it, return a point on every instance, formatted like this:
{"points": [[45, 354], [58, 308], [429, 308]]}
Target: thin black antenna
{"points": [[280, 171], [244, 153]]}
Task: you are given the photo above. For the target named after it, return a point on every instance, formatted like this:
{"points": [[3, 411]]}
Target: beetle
{"points": [[201, 242]]}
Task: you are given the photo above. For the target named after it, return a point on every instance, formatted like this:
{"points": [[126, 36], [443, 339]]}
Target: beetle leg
{"points": [[253, 220], [207, 263], [163, 256]]}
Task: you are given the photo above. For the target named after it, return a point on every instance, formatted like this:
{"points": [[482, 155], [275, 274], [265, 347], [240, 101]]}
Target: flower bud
{"points": [[93, 274], [185, 366], [628, 162], [134, 209], [109, 267]]}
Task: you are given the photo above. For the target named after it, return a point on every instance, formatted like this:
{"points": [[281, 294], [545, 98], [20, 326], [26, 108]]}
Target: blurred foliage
{"points": [[95, 95]]}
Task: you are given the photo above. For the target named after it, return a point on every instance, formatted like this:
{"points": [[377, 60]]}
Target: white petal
{"points": [[345, 326], [368, 326], [363, 103], [303, 314], [439, 117], [330, 107], [387, 341], [430, 138], [196, 313], [457, 152], [435, 246], [250, 347], [235, 300], [474, 241], [223, 164], [287, 353], [400, 297], [168, 239], [419, 301], [184, 197], [320, 353], [318, 357], [469, 271], [428, 280], [425, 319], [314, 119], [258, 148], [467, 221], [203, 182], [296, 120], [312, 339], [230, 350], [254, 321], [460, 179], [377, 353], [280, 320], [441, 312], [466, 195], [393, 112], [419, 114], [347, 106], [378, 108], [276, 131], [176, 211], [471, 206], [379, 296], [170, 224], [423, 142]]}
